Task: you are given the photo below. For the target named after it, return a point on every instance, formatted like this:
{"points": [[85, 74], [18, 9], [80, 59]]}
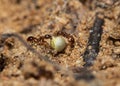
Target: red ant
{"points": [[41, 40]]}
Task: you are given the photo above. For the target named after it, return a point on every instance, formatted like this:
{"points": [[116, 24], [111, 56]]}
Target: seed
{"points": [[58, 43]]}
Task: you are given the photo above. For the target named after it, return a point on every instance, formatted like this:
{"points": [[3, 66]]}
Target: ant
{"points": [[57, 42]]}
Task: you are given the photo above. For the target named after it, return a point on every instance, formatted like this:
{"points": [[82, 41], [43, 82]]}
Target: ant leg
{"points": [[42, 40], [71, 41]]}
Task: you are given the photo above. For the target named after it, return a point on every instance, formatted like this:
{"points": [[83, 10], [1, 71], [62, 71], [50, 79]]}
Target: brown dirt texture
{"points": [[23, 63]]}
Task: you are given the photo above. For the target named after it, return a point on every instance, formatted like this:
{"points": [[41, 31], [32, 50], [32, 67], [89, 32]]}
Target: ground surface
{"points": [[23, 65]]}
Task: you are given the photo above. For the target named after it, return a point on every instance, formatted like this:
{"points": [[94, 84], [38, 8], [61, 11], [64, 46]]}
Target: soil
{"points": [[25, 64]]}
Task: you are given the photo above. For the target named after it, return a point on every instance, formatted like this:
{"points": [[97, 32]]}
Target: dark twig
{"points": [[93, 42]]}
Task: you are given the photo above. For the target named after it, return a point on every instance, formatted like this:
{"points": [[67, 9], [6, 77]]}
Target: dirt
{"points": [[26, 64]]}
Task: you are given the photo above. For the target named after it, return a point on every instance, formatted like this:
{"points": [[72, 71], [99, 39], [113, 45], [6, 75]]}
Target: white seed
{"points": [[58, 43]]}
